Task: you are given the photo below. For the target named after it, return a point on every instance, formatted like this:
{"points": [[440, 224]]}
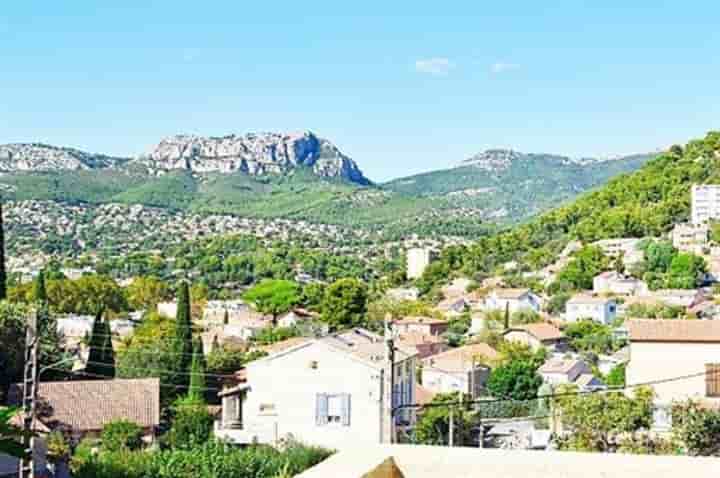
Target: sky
{"points": [[401, 87]]}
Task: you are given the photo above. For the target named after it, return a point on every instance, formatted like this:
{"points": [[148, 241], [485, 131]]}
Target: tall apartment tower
{"points": [[705, 200], [417, 261]]}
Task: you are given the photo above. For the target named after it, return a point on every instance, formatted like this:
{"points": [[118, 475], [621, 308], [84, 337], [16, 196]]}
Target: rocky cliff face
{"points": [[42, 157], [254, 154]]}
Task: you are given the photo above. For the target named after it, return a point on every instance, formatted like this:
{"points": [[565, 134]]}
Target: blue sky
{"points": [[401, 87]]}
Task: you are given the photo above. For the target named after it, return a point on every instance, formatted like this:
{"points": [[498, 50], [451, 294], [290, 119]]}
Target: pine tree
{"points": [[101, 358], [196, 390], [183, 336], [3, 276]]}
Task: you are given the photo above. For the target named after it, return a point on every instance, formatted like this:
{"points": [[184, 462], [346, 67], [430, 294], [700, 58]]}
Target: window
{"points": [[712, 379], [332, 408]]}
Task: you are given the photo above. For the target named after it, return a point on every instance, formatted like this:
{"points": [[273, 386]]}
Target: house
{"points": [[677, 297], [705, 199], [403, 294], [584, 306], [220, 311], [587, 382], [423, 325], [80, 409], [295, 317], [625, 247], [612, 282], [537, 335], [167, 309], [424, 344], [417, 261], [453, 306], [562, 371], [463, 369], [332, 391], [457, 287], [681, 357], [513, 300], [690, 237]]}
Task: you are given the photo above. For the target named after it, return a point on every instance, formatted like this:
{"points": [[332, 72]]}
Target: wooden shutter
{"points": [[712, 380], [321, 409], [346, 410]]}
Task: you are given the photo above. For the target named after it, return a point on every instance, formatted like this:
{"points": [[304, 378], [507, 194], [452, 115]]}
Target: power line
{"points": [[165, 371], [96, 375], [564, 394]]}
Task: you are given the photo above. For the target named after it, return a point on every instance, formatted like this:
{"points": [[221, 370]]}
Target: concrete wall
{"points": [[657, 361]]}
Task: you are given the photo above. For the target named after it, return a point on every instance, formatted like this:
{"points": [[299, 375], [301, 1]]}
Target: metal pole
{"points": [[391, 359], [451, 437], [27, 465]]}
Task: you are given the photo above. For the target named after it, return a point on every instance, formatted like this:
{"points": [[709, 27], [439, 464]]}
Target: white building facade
{"points": [[599, 309], [418, 259], [705, 202]]}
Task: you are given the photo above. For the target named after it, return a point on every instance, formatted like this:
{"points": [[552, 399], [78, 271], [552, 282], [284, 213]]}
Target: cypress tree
{"points": [[101, 358], [196, 390], [183, 335], [51, 340], [507, 316], [3, 275]]}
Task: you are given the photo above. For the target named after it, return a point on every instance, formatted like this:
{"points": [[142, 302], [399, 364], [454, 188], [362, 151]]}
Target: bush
{"points": [[210, 460], [121, 435], [697, 429], [192, 425]]}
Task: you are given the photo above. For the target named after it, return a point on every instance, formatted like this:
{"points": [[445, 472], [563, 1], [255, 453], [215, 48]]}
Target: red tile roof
{"points": [[673, 330]]}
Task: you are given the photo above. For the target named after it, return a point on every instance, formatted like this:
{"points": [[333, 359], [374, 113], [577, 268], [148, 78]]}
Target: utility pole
{"points": [[389, 339], [27, 468], [451, 432]]}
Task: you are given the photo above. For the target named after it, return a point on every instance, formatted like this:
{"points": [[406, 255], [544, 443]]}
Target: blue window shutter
{"points": [[346, 410], [321, 409]]}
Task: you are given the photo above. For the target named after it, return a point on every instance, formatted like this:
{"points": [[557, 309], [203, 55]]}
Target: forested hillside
{"points": [[644, 203]]}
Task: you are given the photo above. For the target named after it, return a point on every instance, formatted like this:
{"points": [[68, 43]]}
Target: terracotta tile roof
{"points": [[367, 346], [86, 406], [414, 338], [421, 321], [460, 359], [673, 330], [510, 293], [541, 331], [559, 365]]}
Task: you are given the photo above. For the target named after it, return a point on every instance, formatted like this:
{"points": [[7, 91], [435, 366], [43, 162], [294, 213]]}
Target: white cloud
{"points": [[434, 66], [502, 67]]}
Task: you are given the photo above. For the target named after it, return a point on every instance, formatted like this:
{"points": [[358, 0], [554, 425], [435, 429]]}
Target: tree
{"points": [[585, 265], [10, 435], [506, 321], [192, 425], [685, 271], [345, 303], [598, 420], [51, 352], [87, 295], [12, 342], [659, 256], [183, 336], [197, 387], [3, 273], [590, 336], [121, 435], [516, 380], [616, 376], [433, 426], [146, 292], [274, 297], [101, 358], [697, 428]]}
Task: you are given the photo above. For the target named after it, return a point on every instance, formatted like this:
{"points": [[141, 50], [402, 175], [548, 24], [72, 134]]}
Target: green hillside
{"points": [[644, 203]]}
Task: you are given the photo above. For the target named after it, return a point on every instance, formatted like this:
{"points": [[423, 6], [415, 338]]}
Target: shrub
{"points": [[121, 435], [192, 425]]}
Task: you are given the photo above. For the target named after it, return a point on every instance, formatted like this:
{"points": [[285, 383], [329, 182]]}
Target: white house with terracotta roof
{"points": [[537, 335], [513, 299], [585, 306], [463, 369], [562, 371], [422, 325], [681, 357], [333, 391], [612, 282], [425, 345]]}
